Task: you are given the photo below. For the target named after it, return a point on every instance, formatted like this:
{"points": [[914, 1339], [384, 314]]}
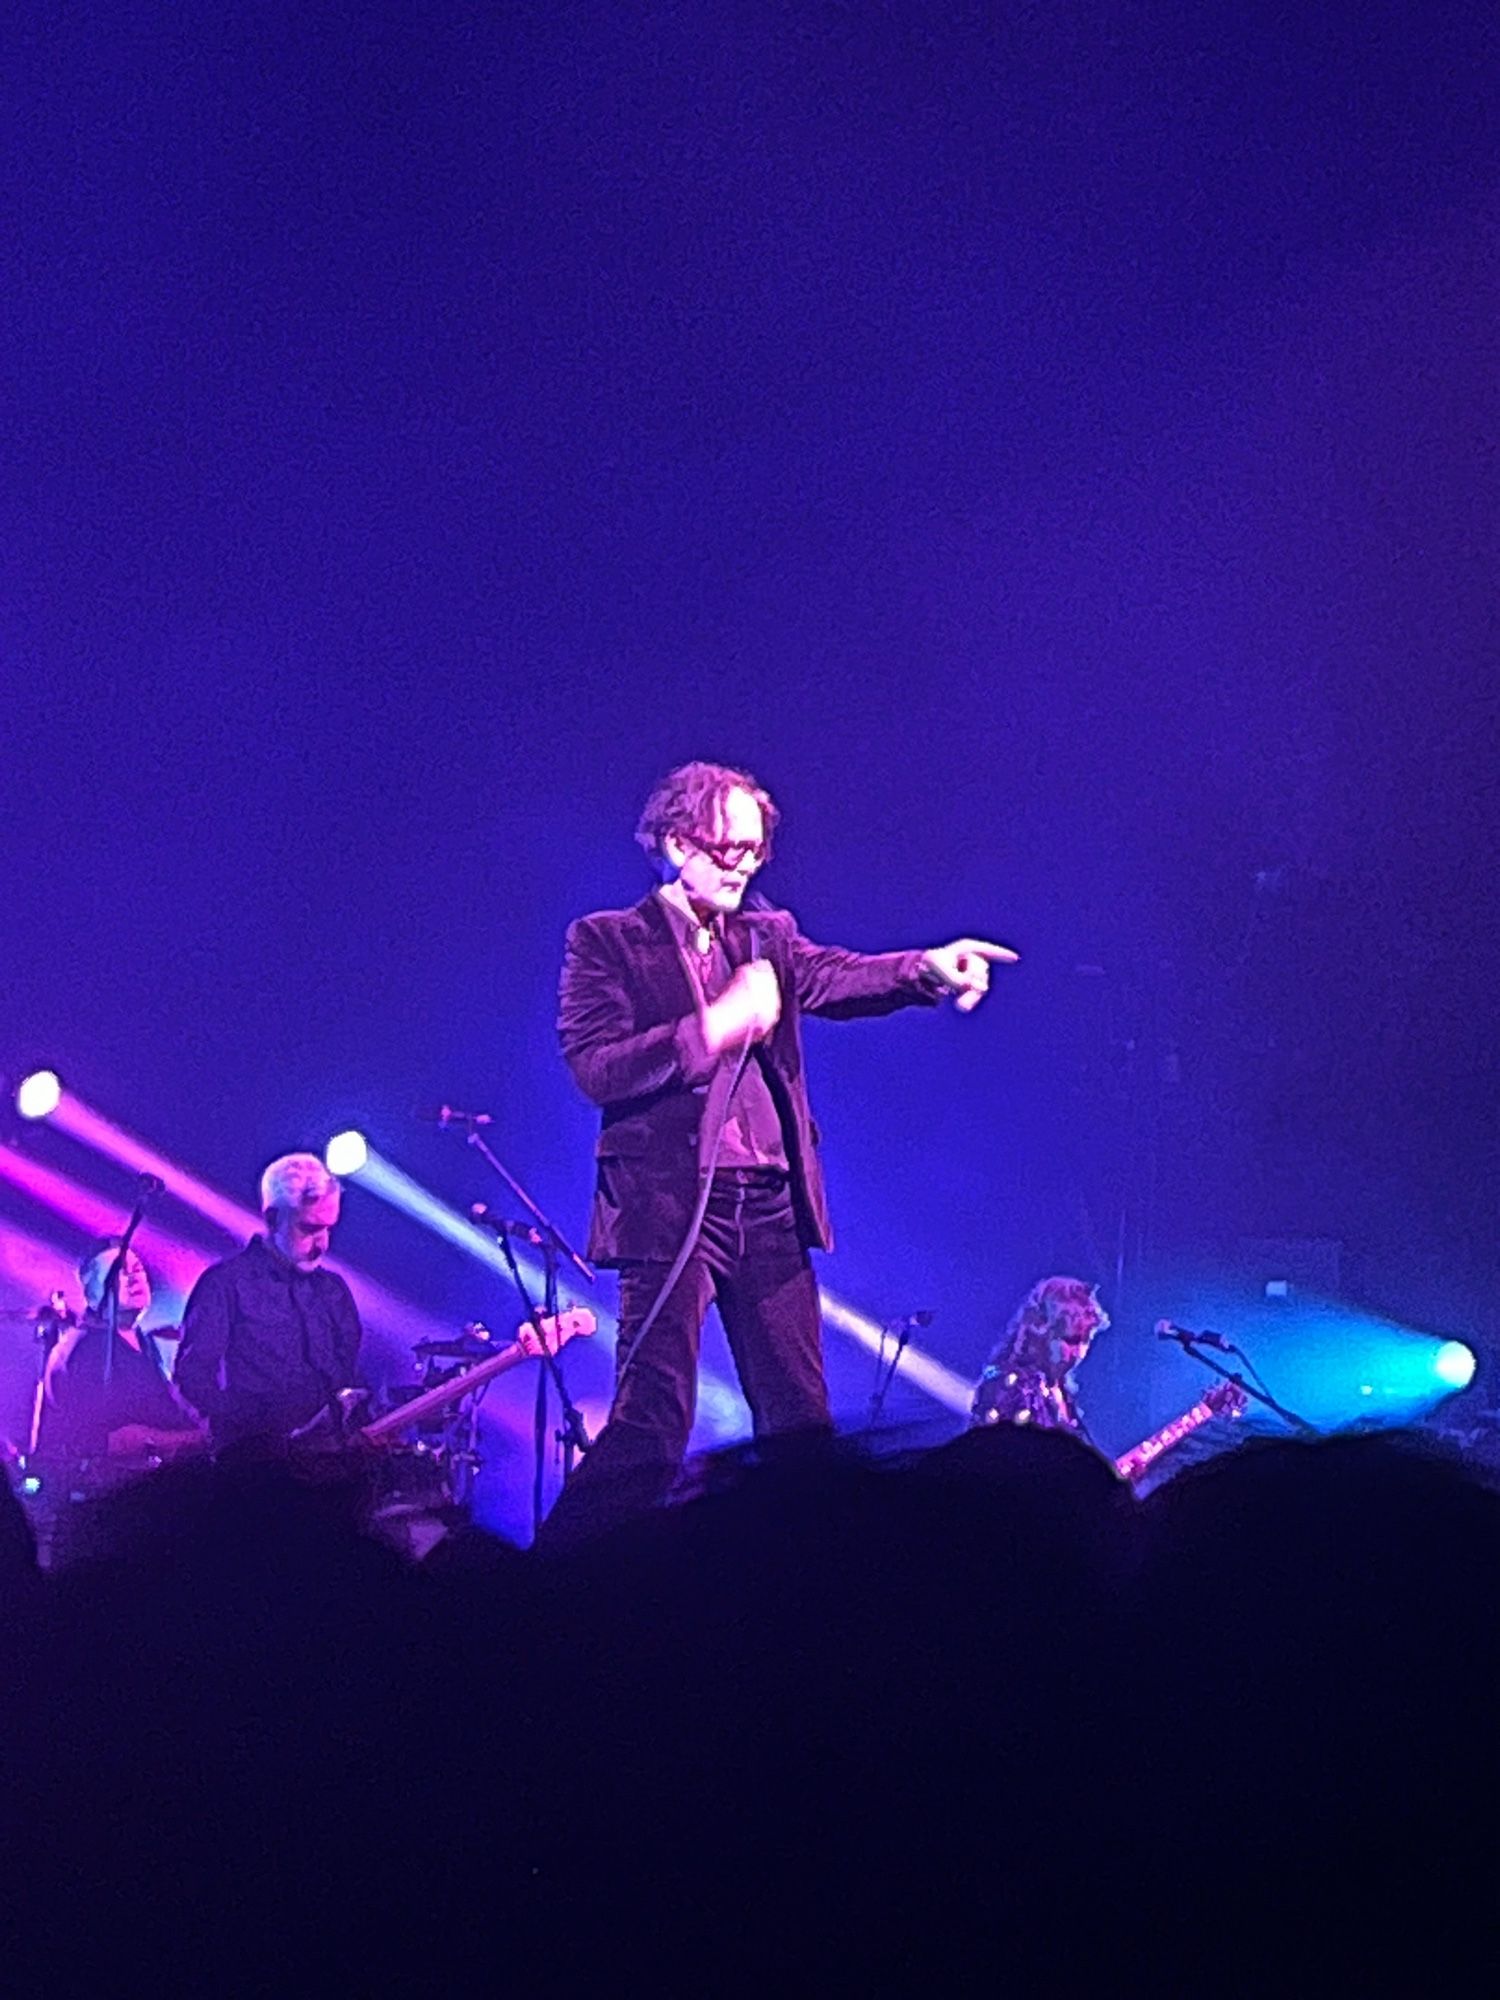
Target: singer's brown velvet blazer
{"points": [[630, 1030]]}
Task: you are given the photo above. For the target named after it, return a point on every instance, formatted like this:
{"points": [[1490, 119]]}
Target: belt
{"points": [[751, 1177]]}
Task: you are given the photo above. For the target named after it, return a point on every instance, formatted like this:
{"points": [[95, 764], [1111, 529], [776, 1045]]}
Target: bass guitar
{"points": [[549, 1335]]}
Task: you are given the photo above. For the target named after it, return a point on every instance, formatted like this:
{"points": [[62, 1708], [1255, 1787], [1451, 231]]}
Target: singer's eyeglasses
{"points": [[730, 853]]}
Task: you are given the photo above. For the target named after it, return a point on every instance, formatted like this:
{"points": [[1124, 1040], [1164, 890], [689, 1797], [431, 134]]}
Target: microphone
{"points": [[1165, 1330], [149, 1184], [500, 1225], [762, 917], [445, 1115]]}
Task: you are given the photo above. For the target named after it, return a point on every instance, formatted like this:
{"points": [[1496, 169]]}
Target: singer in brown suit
{"points": [[681, 1019]]}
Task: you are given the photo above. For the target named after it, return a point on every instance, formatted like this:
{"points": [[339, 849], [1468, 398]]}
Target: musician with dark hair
{"points": [[107, 1412], [680, 1018], [1029, 1377], [1028, 1380]]}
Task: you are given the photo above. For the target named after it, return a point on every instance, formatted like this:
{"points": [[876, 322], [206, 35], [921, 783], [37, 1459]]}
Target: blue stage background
{"points": [[1047, 448]]}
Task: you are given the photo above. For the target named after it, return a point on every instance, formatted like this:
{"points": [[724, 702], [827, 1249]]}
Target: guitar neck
{"points": [[444, 1393], [1131, 1464]]}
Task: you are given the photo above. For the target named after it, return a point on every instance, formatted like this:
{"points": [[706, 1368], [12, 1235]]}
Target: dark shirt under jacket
{"points": [[752, 1124], [264, 1345], [80, 1407]]}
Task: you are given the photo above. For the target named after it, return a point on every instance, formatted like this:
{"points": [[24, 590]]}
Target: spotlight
{"points": [[345, 1154], [1454, 1364], [39, 1094]]}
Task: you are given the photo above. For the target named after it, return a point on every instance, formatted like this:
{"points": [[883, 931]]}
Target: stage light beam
{"points": [[919, 1368]]}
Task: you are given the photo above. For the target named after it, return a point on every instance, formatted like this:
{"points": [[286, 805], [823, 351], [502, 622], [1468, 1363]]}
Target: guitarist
{"points": [[270, 1336], [1029, 1377], [101, 1426]]}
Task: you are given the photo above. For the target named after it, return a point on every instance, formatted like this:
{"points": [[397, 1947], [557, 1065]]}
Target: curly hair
{"points": [[690, 799], [1035, 1322]]}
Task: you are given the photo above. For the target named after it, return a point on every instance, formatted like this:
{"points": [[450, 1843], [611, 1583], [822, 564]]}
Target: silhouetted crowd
{"points": [[974, 1713]]}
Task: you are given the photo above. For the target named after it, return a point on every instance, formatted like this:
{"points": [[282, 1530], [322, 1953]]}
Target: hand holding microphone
{"points": [[746, 1011]]}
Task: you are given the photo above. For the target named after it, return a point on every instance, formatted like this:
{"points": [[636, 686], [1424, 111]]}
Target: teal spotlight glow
{"points": [[39, 1094], [1333, 1361], [1454, 1364]]}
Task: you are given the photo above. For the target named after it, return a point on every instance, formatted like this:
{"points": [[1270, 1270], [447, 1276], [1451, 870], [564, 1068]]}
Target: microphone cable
{"points": [[707, 1163]]}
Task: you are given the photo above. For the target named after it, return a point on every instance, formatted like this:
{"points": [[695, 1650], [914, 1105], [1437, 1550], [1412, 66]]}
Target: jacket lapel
{"points": [[670, 979]]}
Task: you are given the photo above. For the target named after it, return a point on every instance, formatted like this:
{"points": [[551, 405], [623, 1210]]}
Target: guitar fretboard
{"points": [[1134, 1462]]}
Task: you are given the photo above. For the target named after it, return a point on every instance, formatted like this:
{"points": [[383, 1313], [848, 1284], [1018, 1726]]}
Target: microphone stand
{"points": [[50, 1321], [547, 1238], [1191, 1345], [885, 1372], [110, 1297]]}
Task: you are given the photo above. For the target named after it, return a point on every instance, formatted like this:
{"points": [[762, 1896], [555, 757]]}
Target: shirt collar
{"points": [[686, 929], [268, 1255]]}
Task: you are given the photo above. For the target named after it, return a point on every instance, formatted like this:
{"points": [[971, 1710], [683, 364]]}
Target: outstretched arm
{"points": [[844, 984]]}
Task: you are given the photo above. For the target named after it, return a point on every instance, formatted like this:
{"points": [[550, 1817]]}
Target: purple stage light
{"points": [[90, 1129], [171, 1261], [381, 1310]]}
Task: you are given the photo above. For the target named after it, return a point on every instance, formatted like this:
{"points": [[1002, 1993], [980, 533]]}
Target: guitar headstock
{"points": [[557, 1331], [1227, 1399]]}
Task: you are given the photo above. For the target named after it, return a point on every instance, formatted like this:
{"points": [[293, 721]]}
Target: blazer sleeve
{"points": [[843, 985], [611, 1060]]}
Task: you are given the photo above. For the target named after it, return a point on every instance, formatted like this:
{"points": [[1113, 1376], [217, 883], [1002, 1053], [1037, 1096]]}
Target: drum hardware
{"points": [[474, 1343], [432, 1427]]}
